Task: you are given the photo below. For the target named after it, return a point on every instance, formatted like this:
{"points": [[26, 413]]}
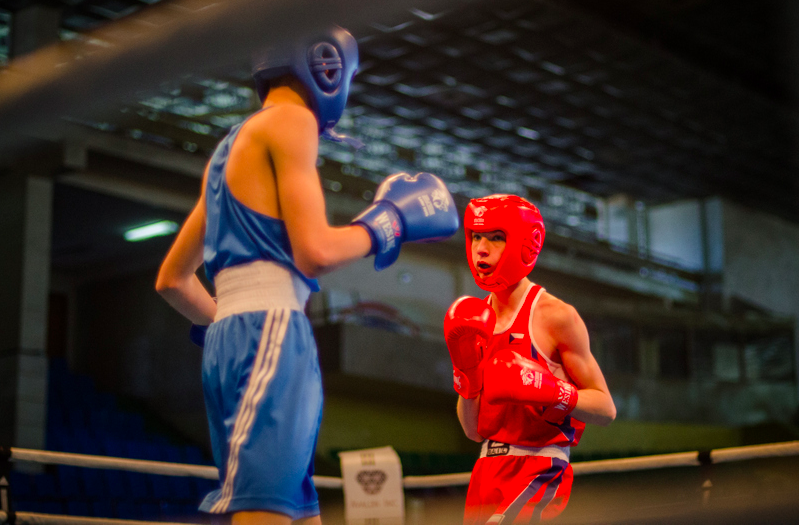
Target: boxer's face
{"points": [[487, 248]]}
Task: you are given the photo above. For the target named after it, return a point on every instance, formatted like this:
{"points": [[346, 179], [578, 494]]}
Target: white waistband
{"points": [[257, 286], [490, 448]]}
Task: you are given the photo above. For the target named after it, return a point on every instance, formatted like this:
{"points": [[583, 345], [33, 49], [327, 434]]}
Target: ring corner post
{"points": [[6, 508]]}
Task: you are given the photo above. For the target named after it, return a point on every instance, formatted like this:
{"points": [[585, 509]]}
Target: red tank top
{"points": [[523, 424]]}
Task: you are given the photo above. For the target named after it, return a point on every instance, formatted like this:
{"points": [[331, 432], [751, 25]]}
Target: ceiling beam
{"points": [[110, 185], [162, 43], [83, 141]]}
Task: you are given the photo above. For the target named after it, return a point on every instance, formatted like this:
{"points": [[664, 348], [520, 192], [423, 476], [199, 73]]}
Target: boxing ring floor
{"points": [[740, 485]]}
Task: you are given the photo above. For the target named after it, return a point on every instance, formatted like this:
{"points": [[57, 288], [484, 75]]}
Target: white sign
{"points": [[373, 492]]}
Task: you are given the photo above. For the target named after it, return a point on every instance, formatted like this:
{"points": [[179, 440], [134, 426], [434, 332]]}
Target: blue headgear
{"points": [[324, 63]]}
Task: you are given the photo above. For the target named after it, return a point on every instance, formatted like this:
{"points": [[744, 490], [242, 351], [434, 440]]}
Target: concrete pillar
{"points": [[25, 221]]}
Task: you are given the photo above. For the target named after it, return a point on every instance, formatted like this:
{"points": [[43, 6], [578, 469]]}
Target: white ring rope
{"points": [[104, 462], [638, 463], [691, 458], [734, 454], [47, 518], [437, 481]]}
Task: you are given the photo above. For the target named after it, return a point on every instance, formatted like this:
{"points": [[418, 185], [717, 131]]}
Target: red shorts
{"points": [[517, 489]]}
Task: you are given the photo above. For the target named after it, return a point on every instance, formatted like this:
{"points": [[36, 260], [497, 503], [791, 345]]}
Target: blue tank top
{"points": [[234, 233]]}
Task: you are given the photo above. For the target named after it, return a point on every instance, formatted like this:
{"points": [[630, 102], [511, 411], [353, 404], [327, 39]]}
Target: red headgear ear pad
{"points": [[527, 252]]}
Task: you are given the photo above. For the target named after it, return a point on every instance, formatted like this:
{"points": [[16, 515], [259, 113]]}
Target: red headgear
{"points": [[524, 235]]}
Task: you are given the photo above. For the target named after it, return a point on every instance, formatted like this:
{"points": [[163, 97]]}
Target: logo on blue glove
{"points": [[390, 231], [435, 200], [440, 200]]}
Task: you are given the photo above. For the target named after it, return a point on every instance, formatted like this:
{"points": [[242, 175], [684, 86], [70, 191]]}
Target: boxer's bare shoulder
{"points": [[555, 315], [558, 329]]}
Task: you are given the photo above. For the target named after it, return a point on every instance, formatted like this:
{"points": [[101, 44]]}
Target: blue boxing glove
{"points": [[408, 209], [197, 334]]}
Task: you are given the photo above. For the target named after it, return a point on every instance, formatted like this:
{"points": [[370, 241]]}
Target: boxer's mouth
{"points": [[484, 266]]}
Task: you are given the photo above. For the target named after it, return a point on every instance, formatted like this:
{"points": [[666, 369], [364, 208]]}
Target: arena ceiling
{"points": [[658, 99]]}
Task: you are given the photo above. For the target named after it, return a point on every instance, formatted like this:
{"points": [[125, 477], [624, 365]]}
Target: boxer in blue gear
{"points": [[261, 230]]}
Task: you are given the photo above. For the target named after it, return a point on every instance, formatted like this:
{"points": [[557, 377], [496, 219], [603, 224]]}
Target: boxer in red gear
{"points": [[540, 382]]}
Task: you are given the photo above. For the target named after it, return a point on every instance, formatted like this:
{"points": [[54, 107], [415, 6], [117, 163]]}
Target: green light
{"points": [[156, 229]]}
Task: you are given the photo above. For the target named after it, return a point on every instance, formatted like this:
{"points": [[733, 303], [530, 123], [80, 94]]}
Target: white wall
{"points": [[761, 259], [675, 233]]}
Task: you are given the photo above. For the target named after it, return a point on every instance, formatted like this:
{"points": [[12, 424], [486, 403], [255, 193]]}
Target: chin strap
{"points": [[331, 135]]}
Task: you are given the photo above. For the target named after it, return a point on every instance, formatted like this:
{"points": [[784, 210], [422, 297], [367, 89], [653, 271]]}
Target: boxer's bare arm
{"points": [[177, 280], [293, 148], [564, 324], [467, 414]]}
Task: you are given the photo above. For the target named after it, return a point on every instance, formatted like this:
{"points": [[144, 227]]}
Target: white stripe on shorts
{"points": [[262, 373]]}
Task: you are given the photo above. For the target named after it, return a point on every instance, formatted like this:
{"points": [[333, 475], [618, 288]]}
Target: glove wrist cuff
{"points": [[384, 225], [564, 405], [467, 383]]}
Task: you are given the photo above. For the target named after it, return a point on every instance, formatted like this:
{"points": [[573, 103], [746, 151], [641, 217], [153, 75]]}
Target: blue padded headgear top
{"points": [[324, 63]]}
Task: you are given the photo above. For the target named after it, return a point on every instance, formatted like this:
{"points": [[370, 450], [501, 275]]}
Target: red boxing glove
{"points": [[511, 378], [468, 326]]}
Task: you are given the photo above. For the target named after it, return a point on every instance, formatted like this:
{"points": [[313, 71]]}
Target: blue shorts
{"points": [[263, 395]]}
